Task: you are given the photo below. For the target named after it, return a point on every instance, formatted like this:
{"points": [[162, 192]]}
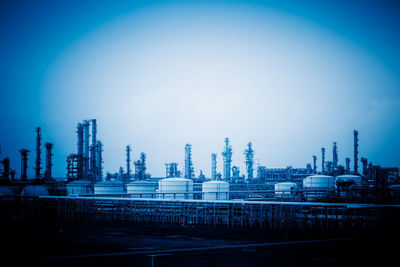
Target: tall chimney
{"points": [[128, 161], [323, 160], [93, 149], [38, 152], [355, 151]]}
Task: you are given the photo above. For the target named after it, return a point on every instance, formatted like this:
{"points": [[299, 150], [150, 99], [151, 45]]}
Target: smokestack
{"points": [[334, 156], [24, 163], [213, 166], [355, 151], [128, 161], [93, 166], [323, 160], [86, 135], [48, 173], [38, 152], [347, 165], [314, 164]]}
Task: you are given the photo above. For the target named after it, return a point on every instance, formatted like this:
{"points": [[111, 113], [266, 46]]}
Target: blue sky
{"points": [[290, 76]]}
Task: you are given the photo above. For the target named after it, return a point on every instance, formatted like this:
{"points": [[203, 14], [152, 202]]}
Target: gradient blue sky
{"points": [[290, 76]]}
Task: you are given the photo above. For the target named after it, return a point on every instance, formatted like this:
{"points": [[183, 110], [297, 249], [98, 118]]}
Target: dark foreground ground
{"points": [[83, 244]]}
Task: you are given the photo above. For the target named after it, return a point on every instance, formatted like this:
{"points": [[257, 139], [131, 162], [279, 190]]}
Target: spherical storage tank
{"points": [[35, 190], [109, 187], [144, 189], [215, 190], [347, 178], [319, 186], [175, 188], [285, 189]]}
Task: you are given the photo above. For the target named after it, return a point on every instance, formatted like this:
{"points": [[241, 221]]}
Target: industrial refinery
{"points": [[200, 133], [332, 182], [330, 199]]}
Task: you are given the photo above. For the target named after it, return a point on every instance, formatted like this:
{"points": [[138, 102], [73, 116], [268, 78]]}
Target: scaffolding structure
{"points": [[322, 217], [140, 167], [171, 170], [87, 162]]}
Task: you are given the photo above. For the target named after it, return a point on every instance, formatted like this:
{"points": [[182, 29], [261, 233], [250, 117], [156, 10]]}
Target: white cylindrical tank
{"points": [[215, 190], [80, 187], [175, 188], [355, 179], [285, 189], [109, 187], [319, 186], [144, 189]]}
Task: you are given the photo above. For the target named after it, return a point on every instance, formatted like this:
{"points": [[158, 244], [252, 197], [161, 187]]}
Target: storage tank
{"points": [[34, 191], [144, 189], [175, 188], [350, 179], [215, 190], [285, 189], [109, 187], [80, 187], [5, 191], [319, 186]]}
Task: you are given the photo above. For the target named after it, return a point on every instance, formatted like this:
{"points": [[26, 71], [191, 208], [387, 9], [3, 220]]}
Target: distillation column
{"points": [[86, 135], [355, 152], [347, 165], [49, 164], [249, 153], [227, 156], [314, 164], [189, 169], [334, 156], [128, 161], [214, 166], [38, 152], [93, 165], [99, 159], [24, 163]]}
